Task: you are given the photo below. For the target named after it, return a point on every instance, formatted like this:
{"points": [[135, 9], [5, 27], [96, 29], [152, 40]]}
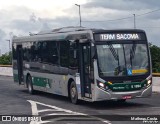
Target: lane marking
{"points": [[35, 111], [42, 122], [34, 107], [45, 110]]}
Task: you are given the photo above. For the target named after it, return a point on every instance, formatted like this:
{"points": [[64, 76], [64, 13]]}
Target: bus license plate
{"points": [[127, 97]]}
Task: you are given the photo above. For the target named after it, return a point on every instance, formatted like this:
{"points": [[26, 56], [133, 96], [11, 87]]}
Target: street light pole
{"points": [[79, 13], [134, 21], [9, 45], [9, 50]]}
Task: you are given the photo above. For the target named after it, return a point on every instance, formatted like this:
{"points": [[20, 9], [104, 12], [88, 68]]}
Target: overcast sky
{"points": [[19, 17]]}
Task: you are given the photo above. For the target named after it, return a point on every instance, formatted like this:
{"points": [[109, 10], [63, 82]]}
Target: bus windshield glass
{"points": [[123, 59]]}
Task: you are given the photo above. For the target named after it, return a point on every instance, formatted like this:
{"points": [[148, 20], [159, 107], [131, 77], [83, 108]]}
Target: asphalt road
{"points": [[16, 102]]}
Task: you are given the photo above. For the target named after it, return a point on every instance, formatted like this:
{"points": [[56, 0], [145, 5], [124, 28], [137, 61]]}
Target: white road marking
{"points": [[154, 107], [42, 122], [35, 111], [45, 110], [34, 107]]}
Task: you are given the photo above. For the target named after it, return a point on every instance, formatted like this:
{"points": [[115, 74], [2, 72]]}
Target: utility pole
{"points": [[134, 21], [9, 53], [79, 14], [9, 45]]}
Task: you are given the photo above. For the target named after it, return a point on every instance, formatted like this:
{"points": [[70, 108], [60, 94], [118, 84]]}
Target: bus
{"points": [[84, 64]]}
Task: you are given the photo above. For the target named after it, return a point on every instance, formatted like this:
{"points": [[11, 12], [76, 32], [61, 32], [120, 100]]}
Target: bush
{"points": [[155, 55], [5, 59]]}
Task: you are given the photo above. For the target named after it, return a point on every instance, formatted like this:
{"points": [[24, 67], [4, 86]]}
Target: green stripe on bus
{"points": [[127, 86], [42, 82]]}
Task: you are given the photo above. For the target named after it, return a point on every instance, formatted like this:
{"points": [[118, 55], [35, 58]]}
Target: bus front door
{"points": [[20, 63], [85, 64]]}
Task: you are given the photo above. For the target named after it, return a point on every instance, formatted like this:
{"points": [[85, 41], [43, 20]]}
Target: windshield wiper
{"points": [[132, 52], [115, 55], [113, 51]]}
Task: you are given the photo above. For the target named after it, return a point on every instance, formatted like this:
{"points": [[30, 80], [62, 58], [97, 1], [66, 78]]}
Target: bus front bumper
{"points": [[109, 95]]}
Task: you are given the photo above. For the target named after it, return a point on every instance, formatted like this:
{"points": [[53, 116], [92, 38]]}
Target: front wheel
{"points": [[30, 85], [73, 93], [121, 100]]}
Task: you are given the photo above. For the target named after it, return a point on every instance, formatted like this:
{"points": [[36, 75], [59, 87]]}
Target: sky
{"points": [[19, 17]]}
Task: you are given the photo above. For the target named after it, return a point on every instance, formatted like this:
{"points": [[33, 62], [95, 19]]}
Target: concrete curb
{"points": [[6, 71]]}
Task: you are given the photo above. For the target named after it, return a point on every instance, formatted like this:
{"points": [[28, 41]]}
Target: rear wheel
{"points": [[73, 93], [30, 85]]}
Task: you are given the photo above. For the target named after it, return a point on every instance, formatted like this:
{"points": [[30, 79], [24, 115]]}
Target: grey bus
{"points": [[84, 64]]}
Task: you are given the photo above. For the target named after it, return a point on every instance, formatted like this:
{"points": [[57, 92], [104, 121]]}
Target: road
{"points": [[14, 100]]}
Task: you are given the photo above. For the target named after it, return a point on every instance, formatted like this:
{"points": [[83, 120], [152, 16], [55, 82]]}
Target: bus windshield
{"points": [[122, 59]]}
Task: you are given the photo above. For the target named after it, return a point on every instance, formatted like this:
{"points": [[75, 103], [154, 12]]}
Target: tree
{"points": [[5, 59], [155, 55]]}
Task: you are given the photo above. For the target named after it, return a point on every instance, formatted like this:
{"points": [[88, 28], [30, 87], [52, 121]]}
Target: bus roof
{"points": [[62, 33]]}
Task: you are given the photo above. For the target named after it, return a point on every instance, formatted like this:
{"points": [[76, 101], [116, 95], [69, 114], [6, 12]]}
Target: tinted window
{"points": [[46, 52], [14, 51], [64, 53], [73, 56]]}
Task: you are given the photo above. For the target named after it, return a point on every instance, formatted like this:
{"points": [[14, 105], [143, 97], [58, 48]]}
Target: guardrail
{"points": [[5, 65], [6, 70], [156, 74]]}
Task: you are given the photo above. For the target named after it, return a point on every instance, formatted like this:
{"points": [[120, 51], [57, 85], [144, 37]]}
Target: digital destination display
{"points": [[119, 36]]}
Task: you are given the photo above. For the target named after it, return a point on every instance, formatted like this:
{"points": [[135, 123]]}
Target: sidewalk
{"points": [[156, 84], [6, 71], [156, 89]]}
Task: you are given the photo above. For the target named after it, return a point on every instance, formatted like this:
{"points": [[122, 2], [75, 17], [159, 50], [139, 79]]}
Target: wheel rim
{"points": [[29, 85], [73, 92], [29, 88]]}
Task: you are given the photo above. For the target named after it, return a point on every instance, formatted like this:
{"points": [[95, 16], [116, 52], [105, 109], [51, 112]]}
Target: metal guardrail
{"points": [[5, 65], [156, 74]]}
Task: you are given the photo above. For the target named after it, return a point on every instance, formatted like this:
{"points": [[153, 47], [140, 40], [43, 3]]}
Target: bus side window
{"points": [[49, 52], [73, 56], [64, 53]]}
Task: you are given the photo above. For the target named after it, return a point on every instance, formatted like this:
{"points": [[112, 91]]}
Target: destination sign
{"points": [[119, 36]]}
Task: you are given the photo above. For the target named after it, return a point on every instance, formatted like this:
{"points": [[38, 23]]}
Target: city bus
{"points": [[84, 64]]}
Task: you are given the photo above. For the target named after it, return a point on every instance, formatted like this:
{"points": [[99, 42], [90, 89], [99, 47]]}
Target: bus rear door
{"points": [[20, 63], [84, 66]]}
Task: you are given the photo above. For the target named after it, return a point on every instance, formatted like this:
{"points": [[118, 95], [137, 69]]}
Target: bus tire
{"points": [[122, 100], [73, 93], [30, 85]]}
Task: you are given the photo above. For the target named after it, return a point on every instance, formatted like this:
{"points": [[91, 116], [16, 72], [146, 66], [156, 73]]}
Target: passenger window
{"points": [[73, 56], [64, 61]]}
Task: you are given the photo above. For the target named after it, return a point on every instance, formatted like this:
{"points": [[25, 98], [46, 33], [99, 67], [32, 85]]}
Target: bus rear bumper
{"points": [[104, 95]]}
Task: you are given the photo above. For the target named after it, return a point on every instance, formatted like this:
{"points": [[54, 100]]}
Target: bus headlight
{"points": [[149, 82], [101, 84]]}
